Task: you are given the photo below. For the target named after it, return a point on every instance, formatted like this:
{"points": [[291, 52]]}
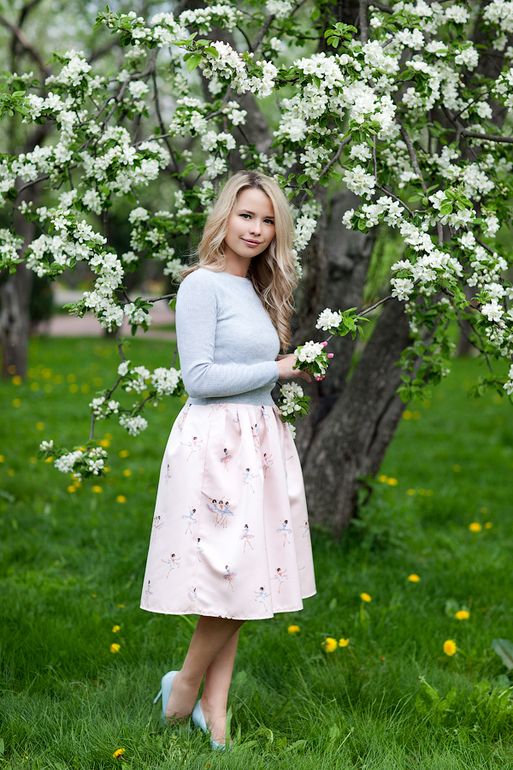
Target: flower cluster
{"points": [[355, 114], [293, 402]]}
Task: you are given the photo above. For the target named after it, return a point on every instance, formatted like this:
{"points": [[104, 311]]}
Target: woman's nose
{"points": [[254, 226]]}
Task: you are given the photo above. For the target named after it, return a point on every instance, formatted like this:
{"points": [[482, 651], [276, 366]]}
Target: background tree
{"points": [[397, 126]]}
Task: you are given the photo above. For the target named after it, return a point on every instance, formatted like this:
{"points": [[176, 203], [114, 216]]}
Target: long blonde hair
{"points": [[272, 272]]}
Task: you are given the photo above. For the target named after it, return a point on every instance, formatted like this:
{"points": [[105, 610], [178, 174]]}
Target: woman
{"points": [[233, 540]]}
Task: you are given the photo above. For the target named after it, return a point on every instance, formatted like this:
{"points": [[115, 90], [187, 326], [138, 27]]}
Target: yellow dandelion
{"points": [[2, 458], [365, 598], [343, 642], [121, 499], [71, 489], [97, 489], [49, 460], [95, 596], [392, 482], [475, 526], [34, 386], [450, 647], [40, 425], [105, 443], [383, 479], [413, 578], [118, 753], [456, 468], [16, 402], [127, 472], [122, 606], [124, 453], [10, 472], [16, 380], [488, 525], [462, 615], [329, 644], [293, 630], [115, 647], [410, 492], [115, 629], [406, 414]]}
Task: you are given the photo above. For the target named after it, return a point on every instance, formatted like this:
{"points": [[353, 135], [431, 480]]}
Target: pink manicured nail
{"points": [[330, 355]]}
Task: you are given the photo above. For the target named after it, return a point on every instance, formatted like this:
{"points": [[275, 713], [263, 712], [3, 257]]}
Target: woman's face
{"points": [[250, 226]]}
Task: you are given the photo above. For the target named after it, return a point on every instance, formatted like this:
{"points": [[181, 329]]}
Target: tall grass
{"points": [[72, 565]]}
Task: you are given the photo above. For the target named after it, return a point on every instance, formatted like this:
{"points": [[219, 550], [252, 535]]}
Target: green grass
{"points": [[72, 564]]}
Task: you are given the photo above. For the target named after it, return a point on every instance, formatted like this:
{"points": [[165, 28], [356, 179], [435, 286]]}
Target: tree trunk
{"points": [[352, 419], [15, 303], [15, 321], [351, 441]]}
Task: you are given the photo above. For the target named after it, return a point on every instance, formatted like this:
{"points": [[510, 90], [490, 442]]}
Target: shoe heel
{"points": [[158, 697]]}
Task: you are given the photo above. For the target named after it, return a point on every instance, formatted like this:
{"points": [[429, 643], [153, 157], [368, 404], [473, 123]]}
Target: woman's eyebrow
{"points": [[247, 211]]}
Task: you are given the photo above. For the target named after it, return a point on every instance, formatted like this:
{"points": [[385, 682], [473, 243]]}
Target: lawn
{"points": [[72, 562]]}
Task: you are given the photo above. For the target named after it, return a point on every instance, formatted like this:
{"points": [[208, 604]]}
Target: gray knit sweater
{"points": [[226, 341]]}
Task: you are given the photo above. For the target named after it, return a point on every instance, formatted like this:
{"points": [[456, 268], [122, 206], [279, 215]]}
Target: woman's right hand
{"points": [[287, 371]]}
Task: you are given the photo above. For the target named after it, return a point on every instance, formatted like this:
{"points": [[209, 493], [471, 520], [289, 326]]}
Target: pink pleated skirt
{"points": [[230, 535]]}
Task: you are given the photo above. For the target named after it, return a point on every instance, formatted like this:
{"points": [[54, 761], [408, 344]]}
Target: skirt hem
{"points": [[268, 616]]}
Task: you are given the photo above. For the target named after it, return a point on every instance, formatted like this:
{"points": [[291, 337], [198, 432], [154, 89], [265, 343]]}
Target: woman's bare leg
{"points": [[214, 698], [207, 644]]}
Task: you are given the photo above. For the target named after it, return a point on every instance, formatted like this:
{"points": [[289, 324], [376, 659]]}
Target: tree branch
{"points": [[261, 33], [25, 42]]}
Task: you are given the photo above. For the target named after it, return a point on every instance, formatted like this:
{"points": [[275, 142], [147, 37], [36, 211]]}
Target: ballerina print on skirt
{"points": [[266, 463], [306, 527], [199, 549], [190, 520], [193, 445], [229, 576], [192, 595], [285, 531], [217, 408], [185, 412], [225, 459], [248, 477], [267, 418], [246, 537], [172, 562], [221, 511], [236, 420], [256, 437], [261, 596], [158, 523], [167, 475], [280, 576], [147, 592]]}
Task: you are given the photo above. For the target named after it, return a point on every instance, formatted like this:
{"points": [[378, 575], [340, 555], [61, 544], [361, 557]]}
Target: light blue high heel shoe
{"points": [[199, 720], [165, 692]]}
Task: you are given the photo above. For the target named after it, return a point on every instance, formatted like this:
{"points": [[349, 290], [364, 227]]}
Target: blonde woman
{"points": [[232, 317]]}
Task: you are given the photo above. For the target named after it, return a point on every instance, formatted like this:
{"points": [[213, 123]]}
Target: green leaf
{"points": [[193, 61], [504, 649]]}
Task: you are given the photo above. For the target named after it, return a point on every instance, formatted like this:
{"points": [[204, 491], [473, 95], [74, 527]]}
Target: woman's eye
{"points": [[245, 216], [268, 221]]}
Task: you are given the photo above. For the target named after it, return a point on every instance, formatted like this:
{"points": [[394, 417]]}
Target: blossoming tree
{"points": [[397, 123]]}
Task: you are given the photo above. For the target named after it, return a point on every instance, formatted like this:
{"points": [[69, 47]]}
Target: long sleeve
{"points": [[218, 340]]}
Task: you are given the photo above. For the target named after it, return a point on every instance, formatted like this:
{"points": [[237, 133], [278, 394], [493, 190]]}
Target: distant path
{"points": [[63, 325]]}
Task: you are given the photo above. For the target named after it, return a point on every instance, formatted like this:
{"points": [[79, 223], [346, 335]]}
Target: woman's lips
{"points": [[250, 243]]}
